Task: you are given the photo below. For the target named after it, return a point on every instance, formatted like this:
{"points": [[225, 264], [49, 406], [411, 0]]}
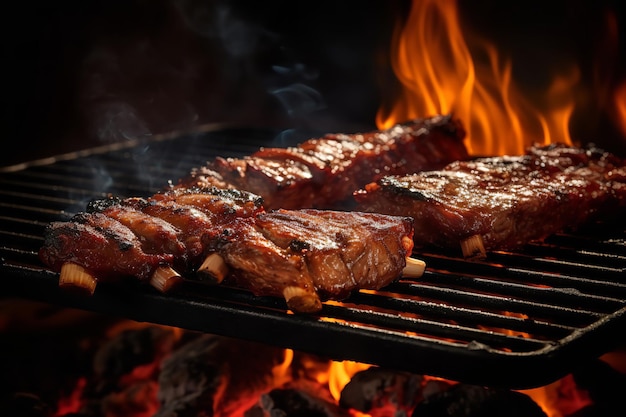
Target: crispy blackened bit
{"points": [[155, 234], [102, 245], [222, 204]]}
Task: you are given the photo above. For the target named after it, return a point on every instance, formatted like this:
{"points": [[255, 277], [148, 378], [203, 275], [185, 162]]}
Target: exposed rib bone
{"points": [[302, 301], [74, 275], [214, 268], [414, 268], [473, 247], [164, 278]]}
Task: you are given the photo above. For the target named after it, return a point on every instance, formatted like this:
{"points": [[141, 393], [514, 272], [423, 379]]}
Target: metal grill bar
{"points": [[516, 319]]}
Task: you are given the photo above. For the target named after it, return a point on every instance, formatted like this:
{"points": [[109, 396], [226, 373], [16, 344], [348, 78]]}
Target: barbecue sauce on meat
{"points": [[100, 244], [261, 215], [508, 201], [316, 254], [323, 172], [333, 252]]}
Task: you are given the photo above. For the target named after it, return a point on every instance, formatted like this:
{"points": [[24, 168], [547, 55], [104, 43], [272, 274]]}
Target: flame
{"points": [[282, 370], [72, 403], [440, 73], [340, 373], [619, 100], [137, 391], [560, 398]]}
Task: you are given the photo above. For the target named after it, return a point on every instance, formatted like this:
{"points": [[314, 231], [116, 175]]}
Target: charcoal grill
{"points": [[515, 319]]}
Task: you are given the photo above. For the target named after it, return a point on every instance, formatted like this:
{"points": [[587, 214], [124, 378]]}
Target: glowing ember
{"points": [[441, 72], [147, 370]]}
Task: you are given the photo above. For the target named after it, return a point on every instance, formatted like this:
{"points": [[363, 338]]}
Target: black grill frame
{"points": [[514, 320]]}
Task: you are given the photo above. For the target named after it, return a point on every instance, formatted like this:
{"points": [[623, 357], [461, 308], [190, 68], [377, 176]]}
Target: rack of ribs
{"points": [[502, 203], [324, 172], [305, 256]]}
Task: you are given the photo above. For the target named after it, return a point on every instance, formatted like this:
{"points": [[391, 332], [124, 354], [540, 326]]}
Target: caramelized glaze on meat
{"points": [[323, 254], [343, 251], [218, 211], [101, 244], [138, 235], [155, 234], [508, 201], [323, 172], [190, 221], [332, 252]]}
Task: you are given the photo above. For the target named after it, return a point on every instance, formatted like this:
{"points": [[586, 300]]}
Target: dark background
{"points": [[86, 73]]}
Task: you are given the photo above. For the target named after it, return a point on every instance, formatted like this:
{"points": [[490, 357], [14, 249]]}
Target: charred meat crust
{"points": [[323, 172], [508, 201], [326, 254]]}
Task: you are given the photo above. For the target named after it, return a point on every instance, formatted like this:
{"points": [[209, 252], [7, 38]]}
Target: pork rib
{"points": [[305, 256], [100, 244], [507, 201], [324, 172], [334, 252], [118, 238]]}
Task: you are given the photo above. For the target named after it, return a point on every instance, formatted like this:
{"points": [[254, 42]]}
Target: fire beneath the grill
{"points": [[121, 368]]}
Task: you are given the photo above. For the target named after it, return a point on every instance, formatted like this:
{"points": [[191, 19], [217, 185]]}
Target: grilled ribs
{"points": [[100, 244], [507, 201], [130, 237], [213, 223], [324, 172], [330, 252], [304, 256]]}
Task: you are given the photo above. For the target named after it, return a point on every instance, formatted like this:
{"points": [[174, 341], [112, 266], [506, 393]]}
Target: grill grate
{"points": [[516, 319]]}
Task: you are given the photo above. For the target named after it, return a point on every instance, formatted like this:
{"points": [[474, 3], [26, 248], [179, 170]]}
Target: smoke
{"points": [[115, 121], [299, 99], [254, 56], [169, 66]]}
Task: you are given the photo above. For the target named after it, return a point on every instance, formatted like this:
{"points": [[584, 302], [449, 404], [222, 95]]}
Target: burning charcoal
{"points": [[138, 399], [293, 403], [190, 379], [473, 401], [377, 388], [213, 373], [129, 349], [125, 372]]}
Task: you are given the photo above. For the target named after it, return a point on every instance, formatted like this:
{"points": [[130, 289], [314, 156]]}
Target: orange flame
{"points": [[620, 107], [561, 398], [340, 373], [440, 74]]}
